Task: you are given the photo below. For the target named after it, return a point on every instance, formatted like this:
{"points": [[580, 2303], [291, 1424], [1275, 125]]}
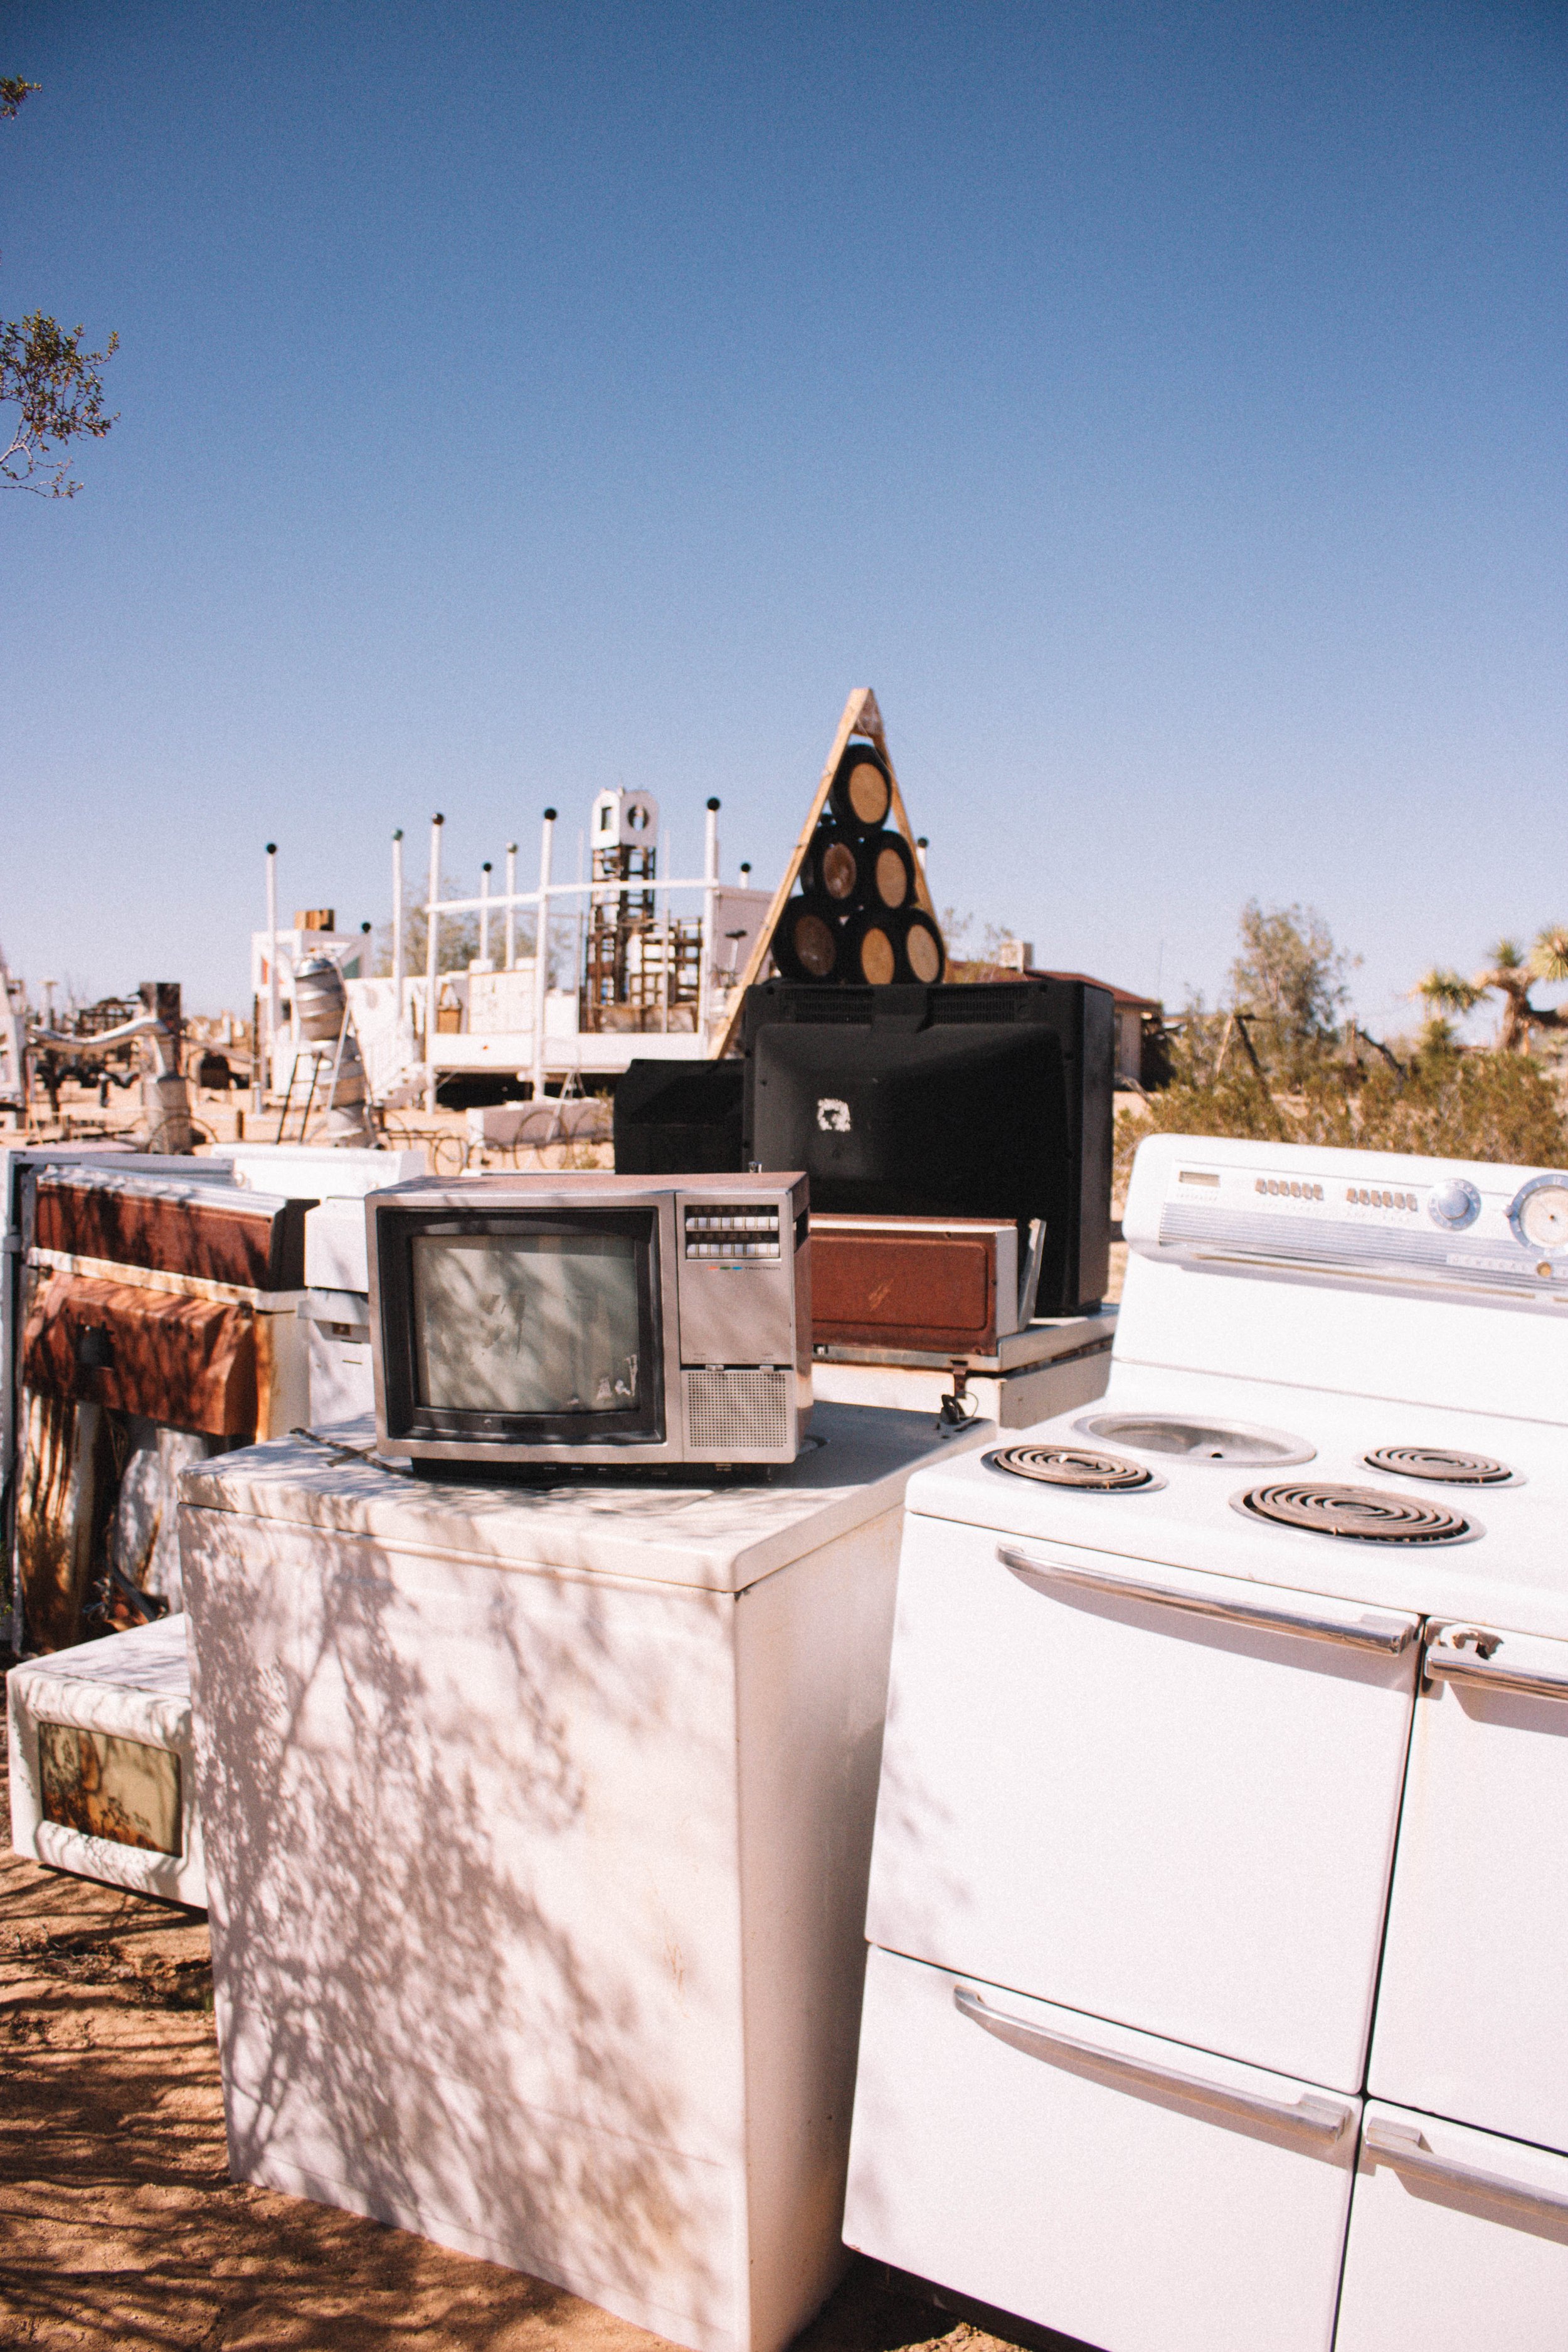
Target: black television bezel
{"points": [[396, 1230]]}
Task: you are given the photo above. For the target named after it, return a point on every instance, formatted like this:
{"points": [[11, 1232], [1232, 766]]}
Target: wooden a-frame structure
{"points": [[862, 716]]}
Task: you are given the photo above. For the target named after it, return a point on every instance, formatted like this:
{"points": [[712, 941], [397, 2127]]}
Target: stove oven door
{"points": [[1458, 2240], [1475, 1981], [1127, 2193], [1160, 1797]]}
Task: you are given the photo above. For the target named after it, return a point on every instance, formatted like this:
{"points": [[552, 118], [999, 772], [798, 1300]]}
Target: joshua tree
{"points": [[1511, 974]]}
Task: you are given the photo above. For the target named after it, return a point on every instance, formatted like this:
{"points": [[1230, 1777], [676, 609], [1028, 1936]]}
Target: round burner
{"points": [[1075, 1465], [1363, 1513], [1232, 1442], [1439, 1465]]}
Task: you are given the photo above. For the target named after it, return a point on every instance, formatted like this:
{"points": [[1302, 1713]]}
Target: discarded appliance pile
{"points": [[530, 1749]]}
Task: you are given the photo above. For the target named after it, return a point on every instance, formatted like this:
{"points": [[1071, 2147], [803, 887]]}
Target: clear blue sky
{"points": [[1162, 406]]}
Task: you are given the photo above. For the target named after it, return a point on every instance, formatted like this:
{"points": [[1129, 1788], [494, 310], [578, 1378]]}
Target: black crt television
{"points": [[957, 1112], [591, 1318], [679, 1118]]}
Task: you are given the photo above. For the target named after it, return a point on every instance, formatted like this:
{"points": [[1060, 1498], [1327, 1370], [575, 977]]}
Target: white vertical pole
{"points": [[432, 966], [485, 912], [580, 904], [271, 1065], [710, 919], [397, 922], [511, 910], [542, 952], [921, 845]]}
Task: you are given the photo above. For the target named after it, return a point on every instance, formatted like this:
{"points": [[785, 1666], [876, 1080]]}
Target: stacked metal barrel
{"points": [[326, 1025], [856, 920]]}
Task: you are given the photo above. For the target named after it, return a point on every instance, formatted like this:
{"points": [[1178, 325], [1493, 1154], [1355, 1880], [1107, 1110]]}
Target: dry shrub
{"points": [[1449, 1106]]}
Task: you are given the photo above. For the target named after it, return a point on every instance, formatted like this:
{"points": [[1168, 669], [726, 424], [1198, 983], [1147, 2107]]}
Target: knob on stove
{"points": [[1455, 1204]]}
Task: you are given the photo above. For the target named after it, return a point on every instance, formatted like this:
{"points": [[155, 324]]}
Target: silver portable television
{"points": [[591, 1318]]}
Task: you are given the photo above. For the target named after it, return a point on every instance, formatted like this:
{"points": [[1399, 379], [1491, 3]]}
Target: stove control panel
{"points": [[1342, 1214]]}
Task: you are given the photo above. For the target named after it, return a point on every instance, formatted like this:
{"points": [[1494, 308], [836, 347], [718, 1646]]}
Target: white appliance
{"points": [[1221, 1930], [334, 1307], [538, 1818], [100, 1762]]}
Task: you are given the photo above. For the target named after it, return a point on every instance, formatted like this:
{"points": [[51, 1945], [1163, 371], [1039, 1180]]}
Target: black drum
{"points": [[808, 942], [924, 959], [862, 791], [888, 863], [871, 945], [831, 867]]}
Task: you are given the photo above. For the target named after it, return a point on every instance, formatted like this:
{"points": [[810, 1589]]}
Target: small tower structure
{"points": [[641, 971]]}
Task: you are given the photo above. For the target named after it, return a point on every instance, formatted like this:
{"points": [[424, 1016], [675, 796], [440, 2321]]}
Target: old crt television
{"points": [[947, 1101], [591, 1318]]}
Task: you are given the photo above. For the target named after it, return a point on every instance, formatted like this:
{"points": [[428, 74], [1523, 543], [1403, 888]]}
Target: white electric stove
{"points": [[1220, 1932]]}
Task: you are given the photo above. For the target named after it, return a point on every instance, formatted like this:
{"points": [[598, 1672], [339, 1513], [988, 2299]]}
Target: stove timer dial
{"points": [[1539, 1214], [1454, 1204]]}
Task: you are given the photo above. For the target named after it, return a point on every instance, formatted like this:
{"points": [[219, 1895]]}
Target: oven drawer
{"points": [[1475, 1980], [1458, 2240], [1136, 2195], [1102, 1796]]}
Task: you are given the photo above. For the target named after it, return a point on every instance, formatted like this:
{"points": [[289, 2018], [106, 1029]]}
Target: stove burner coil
{"points": [[1364, 1514], [1439, 1465], [1075, 1465]]}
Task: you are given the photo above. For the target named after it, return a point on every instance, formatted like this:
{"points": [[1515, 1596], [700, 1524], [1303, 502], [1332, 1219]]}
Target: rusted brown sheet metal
{"points": [[64, 1487], [216, 1231], [190, 1362], [885, 1289]]}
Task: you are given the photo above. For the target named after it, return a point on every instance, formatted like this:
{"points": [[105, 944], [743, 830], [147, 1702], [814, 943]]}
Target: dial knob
{"points": [[1455, 1204], [1540, 1214]]}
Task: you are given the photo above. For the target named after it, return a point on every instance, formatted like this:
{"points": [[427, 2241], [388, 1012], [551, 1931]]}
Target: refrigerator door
{"points": [[1475, 1980], [1098, 1791], [1458, 2240], [1133, 2194]]}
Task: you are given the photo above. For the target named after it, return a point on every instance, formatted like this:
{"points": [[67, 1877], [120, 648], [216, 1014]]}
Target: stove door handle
{"points": [[1401, 2146], [1319, 2117], [1469, 1654], [1388, 1635]]}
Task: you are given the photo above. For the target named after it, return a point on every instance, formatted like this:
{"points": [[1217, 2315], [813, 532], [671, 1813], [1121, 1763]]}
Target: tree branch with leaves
{"points": [[48, 376]]}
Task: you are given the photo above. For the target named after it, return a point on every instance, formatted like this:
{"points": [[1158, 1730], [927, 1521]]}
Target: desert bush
{"points": [[1448, 1104]]}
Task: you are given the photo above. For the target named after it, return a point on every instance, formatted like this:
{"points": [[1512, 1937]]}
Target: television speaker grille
{"points": [[738, 1410]]}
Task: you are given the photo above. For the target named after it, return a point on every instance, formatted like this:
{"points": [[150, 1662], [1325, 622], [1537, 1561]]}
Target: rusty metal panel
{"points": [[190, 1362], [892, 1282], [64, 1490], [218, 1233], [109, 1786]]}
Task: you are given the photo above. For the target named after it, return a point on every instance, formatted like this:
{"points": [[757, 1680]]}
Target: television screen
{"points": [[532, 1323], [521, 1326]]}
